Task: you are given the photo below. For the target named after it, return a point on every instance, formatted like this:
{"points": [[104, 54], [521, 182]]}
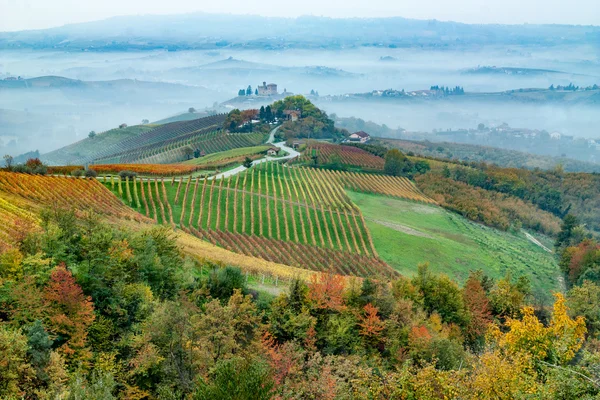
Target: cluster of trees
{"points": [[240, 121], [91, 311], [313, 123], [448, 91], [397, 164], [554, 191], [488, 207], [570, 86], [266, 114], [31, 166], [247, 91], [573, 88]]}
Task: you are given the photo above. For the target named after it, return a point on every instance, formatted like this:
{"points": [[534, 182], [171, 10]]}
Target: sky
{"points": [[38, 14]]}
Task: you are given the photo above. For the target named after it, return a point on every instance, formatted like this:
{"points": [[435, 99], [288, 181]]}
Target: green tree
{"points": [[92, 134], [40, 347], [247, 162], [395, 162], [565, 236], [237, 379], [222, 282]]}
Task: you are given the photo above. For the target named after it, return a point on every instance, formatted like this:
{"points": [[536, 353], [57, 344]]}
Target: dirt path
{"points": [[401, 228], [537, 242]]}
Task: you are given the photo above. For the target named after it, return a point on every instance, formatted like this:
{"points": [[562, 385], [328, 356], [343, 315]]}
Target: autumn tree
{"points": [[15, 371], [478, 308], [556, 343], [370, 324], [325, 291], [70, 312]]}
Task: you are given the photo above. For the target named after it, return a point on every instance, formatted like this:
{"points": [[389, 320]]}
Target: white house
{"points": [[359, 136], [555, 135]]}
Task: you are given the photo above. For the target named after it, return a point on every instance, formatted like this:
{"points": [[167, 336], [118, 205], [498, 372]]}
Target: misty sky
{"points": [[37, 14]]}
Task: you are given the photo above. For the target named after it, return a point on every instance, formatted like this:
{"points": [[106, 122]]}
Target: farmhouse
{"points": [[360, 136], [267, 90], [292, 115]]}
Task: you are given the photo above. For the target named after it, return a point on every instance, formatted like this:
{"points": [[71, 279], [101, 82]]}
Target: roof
{"points": [[361, 134]]}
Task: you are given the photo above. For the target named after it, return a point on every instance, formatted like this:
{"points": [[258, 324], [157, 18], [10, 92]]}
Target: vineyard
{"points": [[181, 148], [394, 186], [85, 150], [21, 194], [347, 155], [288, 212], [147, 169], [163, 133]]}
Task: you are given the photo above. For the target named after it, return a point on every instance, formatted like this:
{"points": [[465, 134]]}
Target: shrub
{"points": [[125, 174], [223, 281], [77, 172], [90, 173]]}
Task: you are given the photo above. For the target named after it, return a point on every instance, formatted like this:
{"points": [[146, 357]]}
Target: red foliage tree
{"points": [[479, 308], [370, 323], [326, 292], [70, 312]]}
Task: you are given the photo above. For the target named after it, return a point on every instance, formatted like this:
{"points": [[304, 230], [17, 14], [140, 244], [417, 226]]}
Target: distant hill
{"points": [[215, 31], [59, 110], [521, 95], [491, 155]]}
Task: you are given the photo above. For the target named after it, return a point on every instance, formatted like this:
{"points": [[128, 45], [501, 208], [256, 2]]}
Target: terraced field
{"points": [[23, 195], [347, 155], [181, 148], [85, 150], [294, 216]]}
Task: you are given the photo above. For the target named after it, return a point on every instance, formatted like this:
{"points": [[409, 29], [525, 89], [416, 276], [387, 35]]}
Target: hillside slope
{"points": [[407, 233]]}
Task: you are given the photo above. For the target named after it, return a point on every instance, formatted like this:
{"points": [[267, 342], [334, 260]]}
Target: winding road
{"points": [[281, 145]]}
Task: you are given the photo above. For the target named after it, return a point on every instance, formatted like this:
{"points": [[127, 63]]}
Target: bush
{"points": [[78, 172], [223, 281], [32, 166], [90, 173], [127, 174]]}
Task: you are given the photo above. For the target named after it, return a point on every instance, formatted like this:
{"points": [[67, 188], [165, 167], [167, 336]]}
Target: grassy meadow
{"points": [[407, 233]]}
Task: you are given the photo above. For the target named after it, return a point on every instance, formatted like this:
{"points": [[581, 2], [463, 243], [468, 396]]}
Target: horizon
{"points": [[16, 15]]}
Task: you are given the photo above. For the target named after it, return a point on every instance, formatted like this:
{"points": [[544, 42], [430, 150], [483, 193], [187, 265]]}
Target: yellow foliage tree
{"points": [[556, 343]]}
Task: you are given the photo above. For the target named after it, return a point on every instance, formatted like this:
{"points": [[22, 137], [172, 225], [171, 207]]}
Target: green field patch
{"points": [[407, 233], [215, 158]]}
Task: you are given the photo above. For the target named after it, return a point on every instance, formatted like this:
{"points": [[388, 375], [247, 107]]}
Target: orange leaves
{"points": [[370, 323], [45, 191], [478, 305], [147, 169], [70, 311], [326, 292]]}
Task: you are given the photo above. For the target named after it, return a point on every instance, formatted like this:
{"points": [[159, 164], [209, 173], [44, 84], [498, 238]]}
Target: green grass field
{"points": [[407, 233], [215, 158]]}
